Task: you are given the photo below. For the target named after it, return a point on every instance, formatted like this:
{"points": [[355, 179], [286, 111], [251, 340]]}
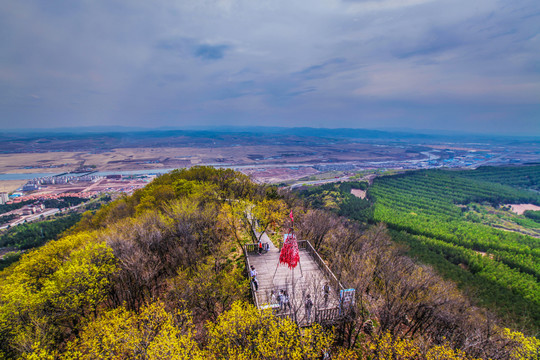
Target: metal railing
{"points": [[289, 315], [255, 247], [323, 315], [251, 247], [305, 244]]}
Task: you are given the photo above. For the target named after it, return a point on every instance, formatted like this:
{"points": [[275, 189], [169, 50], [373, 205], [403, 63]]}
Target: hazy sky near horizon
{"points": [[454, 65]]}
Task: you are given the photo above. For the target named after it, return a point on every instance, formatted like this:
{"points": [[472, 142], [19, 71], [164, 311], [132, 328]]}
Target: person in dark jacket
{"points": [[308, 304]]}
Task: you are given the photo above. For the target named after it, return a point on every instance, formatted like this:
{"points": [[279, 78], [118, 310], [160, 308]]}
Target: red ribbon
{"points": [[289, 252]]}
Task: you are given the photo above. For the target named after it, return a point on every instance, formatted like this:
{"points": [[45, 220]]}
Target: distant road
{"points": [[33, 217], [492, 162], [319, 182], [91, 187]]}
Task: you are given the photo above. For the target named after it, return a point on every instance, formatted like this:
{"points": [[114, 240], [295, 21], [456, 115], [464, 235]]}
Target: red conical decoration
{"points": [[289, 252]]}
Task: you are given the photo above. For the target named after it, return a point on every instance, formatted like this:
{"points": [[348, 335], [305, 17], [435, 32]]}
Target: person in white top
{"points": [[253, 274]]}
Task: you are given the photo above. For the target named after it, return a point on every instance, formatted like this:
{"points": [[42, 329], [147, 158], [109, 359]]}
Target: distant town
{"points": [[89, 166], [69, 189]]}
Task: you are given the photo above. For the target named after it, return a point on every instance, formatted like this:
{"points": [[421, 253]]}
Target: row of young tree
{"points": [[490, 281], [450, 186], [432, 206], [160, 274], [526, 177], [531, 214]]}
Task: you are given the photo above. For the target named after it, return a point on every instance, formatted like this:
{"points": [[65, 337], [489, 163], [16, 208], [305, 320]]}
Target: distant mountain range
{"points": [[344, 133]]}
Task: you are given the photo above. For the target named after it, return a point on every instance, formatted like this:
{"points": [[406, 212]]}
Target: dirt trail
{"points": [[521, 208], [359, 193]]}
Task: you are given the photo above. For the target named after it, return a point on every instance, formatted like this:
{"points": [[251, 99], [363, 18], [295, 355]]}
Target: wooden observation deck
{"points": [[309, 277]]}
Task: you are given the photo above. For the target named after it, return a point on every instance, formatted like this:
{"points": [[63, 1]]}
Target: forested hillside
{"points": [[437, 214], [31, 235], [160, 275], [17, 239]]}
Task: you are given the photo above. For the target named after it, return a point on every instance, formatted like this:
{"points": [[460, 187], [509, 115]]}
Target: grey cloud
{"points": [[211, 52], [434, 41], [321, 70], [351, 63], [185, 46]]}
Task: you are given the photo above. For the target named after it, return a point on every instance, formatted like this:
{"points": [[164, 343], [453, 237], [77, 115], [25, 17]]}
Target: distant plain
{"points": [[267, 155]]}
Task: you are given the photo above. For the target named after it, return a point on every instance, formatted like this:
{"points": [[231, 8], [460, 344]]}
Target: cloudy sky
{"points": [[423, 64]]}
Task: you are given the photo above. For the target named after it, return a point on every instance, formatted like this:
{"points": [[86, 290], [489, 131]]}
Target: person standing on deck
{"points": [[273, 299], [286, 302], [326, 293], [280, 300], [308, 304], [253, 274]]}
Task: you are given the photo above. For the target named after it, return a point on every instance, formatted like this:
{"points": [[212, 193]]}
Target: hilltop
{"points": [[160, 274]]}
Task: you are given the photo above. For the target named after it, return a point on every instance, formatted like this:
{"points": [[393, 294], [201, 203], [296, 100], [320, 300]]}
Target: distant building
{"points": [[32, 209], [4, 198], [30, 187], [27, 210], [114, 177]]}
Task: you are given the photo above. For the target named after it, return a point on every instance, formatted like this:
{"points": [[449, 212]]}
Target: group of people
{"points": [[262, 247], [282, 298]]}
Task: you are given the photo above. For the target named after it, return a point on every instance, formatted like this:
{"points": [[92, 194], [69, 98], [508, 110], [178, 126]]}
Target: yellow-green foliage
{"points": [[526, 347], [45, 294], [386, 347], [517, 347], [445, 352], [39, 352], [245, 333], [128, 254], [199, 183], [211, 288], [154, 333], [240, 333], [269, 212]]}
